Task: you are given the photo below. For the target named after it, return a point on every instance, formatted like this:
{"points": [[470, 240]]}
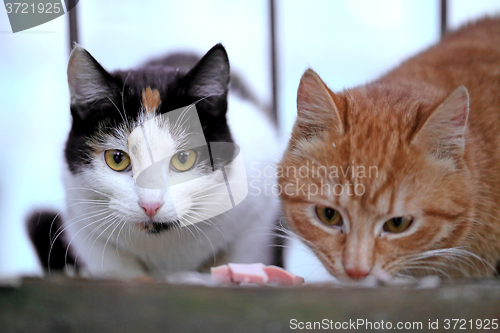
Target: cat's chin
{"points": [[155, 227]]}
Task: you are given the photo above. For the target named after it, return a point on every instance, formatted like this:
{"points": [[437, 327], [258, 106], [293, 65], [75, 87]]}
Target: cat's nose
{"points": [[150, 208], [357, 273]]}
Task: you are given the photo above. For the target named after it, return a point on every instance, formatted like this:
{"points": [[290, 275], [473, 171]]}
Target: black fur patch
{"points": [[159, 227], [43, 227]]}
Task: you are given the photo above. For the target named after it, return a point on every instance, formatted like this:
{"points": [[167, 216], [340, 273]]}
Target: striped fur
{"points": [[430, 127]]}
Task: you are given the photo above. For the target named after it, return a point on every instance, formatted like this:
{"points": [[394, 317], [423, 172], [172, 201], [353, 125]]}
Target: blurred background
{"points": [[348, 42]]}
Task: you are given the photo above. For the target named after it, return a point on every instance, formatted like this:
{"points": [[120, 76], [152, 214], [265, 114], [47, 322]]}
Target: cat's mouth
{"points": [[156, 227]]}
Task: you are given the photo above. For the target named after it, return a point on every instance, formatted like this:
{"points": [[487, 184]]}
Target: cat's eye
{"points": [[397, 224], [329, 216], [116, 159], [184, 160]]}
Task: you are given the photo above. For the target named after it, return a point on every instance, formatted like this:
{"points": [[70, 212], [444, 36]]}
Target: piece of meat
{"points": [[221, 274], [281, 277], [254, 274], [248, 273]]}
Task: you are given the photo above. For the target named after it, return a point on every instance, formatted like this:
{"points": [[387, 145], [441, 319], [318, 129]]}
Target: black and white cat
{"points": [[115, 227]]}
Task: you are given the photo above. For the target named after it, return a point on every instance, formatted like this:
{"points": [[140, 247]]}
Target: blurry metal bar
{"points": [[73, 22], [444, 17], [274, 74], [279, 238]]}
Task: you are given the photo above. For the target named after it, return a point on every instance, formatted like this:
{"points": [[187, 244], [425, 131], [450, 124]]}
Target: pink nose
{"points": [[151, 208], [357, 273]]}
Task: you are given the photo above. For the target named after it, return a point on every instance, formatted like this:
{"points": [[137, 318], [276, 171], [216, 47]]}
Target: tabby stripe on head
{"points": [[150, 100], [443, 215]]}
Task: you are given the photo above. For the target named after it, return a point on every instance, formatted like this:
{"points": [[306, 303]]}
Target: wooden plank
{"points": [[77, 305]]}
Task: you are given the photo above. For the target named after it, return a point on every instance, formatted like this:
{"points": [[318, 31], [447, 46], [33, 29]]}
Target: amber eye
{"points": [[117, 159], [398, 224], [329, 216], [184, 160]]}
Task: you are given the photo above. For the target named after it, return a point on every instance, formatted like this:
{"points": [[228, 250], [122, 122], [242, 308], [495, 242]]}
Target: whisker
{"points": [[118, 236], [64, 227], [107, 240], [89, 189], [106, 221], [123, 90], [88, 225], [123, 118]]}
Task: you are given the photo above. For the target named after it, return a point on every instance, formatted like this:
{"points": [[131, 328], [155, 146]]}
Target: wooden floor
{"points": [[77, 305]]}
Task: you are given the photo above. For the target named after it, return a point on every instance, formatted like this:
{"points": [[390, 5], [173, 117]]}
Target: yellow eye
{"points": [[117, 159], [398, 224], [329, 216], [184, 160]]}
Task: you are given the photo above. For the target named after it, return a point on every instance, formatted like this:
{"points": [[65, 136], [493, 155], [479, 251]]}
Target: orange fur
{"points": [[436, 146], [150, 100]]}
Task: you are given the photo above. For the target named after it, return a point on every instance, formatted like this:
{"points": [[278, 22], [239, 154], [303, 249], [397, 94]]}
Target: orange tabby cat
{"points": [[402, 176]]}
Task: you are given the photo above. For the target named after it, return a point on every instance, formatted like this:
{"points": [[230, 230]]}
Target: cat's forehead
{"points": [[148, 141], [369, 162], [380, 110], [151, 76], [119, 136], [380, 123], [161, 85]]}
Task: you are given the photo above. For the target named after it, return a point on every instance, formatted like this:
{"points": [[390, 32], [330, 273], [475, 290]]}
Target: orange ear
{"points": [[443, 134], [316, 110]]}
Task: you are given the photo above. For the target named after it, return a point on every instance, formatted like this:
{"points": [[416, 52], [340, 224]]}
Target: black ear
{"points": [[88, 81], [210, 76]]}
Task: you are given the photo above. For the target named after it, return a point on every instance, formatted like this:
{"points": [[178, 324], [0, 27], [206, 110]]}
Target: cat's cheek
{"points": [[391, 250], [387, 255], [326, 242], [451, 233], [332, 265]]}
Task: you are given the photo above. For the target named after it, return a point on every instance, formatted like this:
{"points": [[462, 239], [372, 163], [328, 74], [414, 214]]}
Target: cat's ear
{"points": [[443, 134], [210, 76], [316, 109], [88, 81]]}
